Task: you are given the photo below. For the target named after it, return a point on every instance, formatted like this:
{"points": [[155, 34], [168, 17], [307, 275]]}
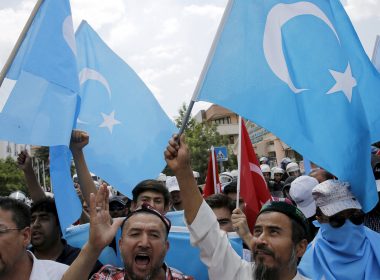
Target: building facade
{"points": [[10, 149], [265, 143]]}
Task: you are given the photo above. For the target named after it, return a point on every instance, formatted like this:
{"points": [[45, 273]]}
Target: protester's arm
{"points": [[25, 163], [79, 139], [102, 231], [177, 157], [240, 225]]}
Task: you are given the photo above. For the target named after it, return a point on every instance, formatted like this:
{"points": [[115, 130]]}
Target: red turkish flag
{"points": [[212, 175], [253, 188]]}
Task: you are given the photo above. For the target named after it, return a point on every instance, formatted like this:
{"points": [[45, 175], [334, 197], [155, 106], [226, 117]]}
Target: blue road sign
{"points": [[221, 153]]}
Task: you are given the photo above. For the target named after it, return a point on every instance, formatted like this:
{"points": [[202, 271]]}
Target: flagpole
{"points": [[213, 169], [20, 39], [210, 55], [375, 49], [239, 165]]}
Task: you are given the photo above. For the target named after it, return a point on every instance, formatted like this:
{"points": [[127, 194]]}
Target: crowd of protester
{"points": [[311, 228]]}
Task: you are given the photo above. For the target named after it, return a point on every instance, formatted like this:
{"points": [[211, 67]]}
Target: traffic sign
{"points": [[221, 153]]}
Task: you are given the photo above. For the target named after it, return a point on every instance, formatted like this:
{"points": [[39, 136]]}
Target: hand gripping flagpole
{"points": [[206, 67], [20, 39]]}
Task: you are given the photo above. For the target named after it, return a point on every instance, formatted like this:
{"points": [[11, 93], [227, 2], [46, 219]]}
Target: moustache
{"points": [[262, 249]]}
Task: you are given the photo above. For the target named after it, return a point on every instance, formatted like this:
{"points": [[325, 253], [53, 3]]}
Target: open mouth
{"points": [[142, 259]]}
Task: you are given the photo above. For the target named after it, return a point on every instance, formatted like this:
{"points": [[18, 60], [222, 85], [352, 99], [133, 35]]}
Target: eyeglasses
{"points": [[5, 230], [338, 221]]}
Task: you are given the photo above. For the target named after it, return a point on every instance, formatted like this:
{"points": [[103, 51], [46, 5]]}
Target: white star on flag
{"points": [[344, 82], [109, 121]]}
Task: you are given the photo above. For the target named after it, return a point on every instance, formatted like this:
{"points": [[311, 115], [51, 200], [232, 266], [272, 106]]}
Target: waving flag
{"points": [[212, 185], [128, 129], [38, 97], [68, 205], [298, 69], [253, 187]]}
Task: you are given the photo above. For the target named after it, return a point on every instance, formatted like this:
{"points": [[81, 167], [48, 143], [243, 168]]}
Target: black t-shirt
{"points": [[69, 254]]}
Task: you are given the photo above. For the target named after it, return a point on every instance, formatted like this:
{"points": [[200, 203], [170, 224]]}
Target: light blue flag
{"points": [[306, 166], [128, 129], [68, 205], [298, 69], [181, 255], [38, 98]]}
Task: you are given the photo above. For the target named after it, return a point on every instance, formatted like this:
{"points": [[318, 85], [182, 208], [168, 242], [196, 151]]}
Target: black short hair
{"points": [[298, 232], [220, 201], [151, 185], [230, 187], [47, 205], [20, 211]]}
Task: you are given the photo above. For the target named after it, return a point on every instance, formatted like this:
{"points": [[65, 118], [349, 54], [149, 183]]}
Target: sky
{"points": [[167, 41]]}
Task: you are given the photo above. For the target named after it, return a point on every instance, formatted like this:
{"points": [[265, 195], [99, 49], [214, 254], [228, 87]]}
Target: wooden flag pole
{"points": [[20, 39]]}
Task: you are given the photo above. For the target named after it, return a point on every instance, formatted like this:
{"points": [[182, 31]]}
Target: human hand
{"points": [[177, 154], [240, 225], [79, 139], [24, 161], [102, 227]]}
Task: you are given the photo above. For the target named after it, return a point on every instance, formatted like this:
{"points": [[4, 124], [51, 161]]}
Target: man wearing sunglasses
{"points": [[343, 248]]}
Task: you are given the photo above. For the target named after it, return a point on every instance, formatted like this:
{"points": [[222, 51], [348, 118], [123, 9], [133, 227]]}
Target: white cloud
{"points": [[166, 42], [362, 9]]}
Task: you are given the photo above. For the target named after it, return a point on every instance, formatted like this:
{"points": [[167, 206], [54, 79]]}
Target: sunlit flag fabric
{"points": [[39, 95], [299, 70], [128, 129], [253, 188], [212, 185], [68, 205]]}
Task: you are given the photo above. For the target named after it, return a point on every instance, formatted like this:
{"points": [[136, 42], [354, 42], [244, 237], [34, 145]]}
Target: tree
{"points": [[200, 137], [11, 177]]}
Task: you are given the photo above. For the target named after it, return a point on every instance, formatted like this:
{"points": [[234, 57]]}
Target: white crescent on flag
{"points": [[254, 168]]}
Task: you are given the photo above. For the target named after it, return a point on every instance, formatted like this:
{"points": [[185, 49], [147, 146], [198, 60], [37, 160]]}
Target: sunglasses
{"points": [[356, 218]]}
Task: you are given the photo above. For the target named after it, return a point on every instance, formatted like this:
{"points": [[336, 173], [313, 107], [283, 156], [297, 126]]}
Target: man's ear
{"points": [[133, 206], [301, 248], [26, 234]]}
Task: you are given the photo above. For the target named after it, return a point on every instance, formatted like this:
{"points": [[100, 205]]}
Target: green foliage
{"points": [[42, 153], [200, 137], [11, 177]]}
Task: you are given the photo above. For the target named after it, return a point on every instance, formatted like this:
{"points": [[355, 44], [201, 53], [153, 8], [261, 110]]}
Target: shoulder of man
{"points": [[46, 269], [108, 272], [178, 275], [69, 253]]}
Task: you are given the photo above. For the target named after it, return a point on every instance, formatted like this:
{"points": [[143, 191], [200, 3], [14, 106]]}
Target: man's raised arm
{"points": [[102, 231], [25, 164], [79, 139], [177, 157]]}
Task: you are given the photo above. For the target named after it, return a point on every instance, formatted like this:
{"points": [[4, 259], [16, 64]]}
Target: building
{"points": [[9, 149], [264, 142], [267, 144], [227, 122]]}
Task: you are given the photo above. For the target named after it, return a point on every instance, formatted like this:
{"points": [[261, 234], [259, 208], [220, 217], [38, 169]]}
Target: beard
{"points": [[264, 272], [151, 274]]}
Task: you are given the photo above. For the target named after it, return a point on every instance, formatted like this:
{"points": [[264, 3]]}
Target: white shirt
{"points": [[46, 269], [216, 252]]}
